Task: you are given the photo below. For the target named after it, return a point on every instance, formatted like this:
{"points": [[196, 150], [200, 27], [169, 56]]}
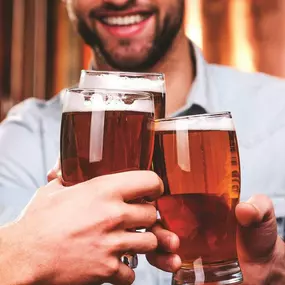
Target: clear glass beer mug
{"points": [[153, 83], [105, 132], [198, 160]]}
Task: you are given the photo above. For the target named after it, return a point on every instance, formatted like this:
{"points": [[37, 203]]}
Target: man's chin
{"points": [[129, 64], [131, 59]]}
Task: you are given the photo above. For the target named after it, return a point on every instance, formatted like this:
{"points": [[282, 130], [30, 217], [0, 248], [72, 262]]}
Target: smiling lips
{"points": [[124, 21], [124, 25]]}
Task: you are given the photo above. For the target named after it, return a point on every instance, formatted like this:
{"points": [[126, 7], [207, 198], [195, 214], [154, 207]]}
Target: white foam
{"points": [[196, 123], [114, 81], [77, 102]]}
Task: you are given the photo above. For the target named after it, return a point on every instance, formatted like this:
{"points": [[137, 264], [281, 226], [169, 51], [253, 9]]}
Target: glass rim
{"points": [[221, 121], [126, 73], [96, 99], [225, 114], [106, 92]]}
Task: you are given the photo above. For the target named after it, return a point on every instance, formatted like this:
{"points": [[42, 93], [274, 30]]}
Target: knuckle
{"points": [[118, 215], [115, 243], [115, 217], [109, 216]]}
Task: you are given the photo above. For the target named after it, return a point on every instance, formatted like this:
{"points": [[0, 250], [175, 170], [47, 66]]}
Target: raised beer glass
{"points": [[105, 132], [153, 83], [198, 160]]}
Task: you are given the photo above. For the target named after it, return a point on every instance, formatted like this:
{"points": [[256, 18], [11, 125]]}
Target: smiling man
{"points": [[128, 35], [148, 35]]}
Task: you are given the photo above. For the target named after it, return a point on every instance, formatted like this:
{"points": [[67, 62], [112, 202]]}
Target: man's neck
{"points": [[178, 68]]}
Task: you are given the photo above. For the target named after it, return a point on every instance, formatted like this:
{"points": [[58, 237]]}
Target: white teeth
{"points": [[124, 21]]}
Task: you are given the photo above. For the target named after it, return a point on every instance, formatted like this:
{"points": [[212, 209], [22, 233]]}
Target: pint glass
{"points": [[153, 83], [105, 132], [198, 160]]}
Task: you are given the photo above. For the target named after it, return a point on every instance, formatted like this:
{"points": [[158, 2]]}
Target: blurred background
{"points": [[40, 53]]}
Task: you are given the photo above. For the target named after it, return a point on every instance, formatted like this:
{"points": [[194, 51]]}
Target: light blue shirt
{"points": [[29, 141]]}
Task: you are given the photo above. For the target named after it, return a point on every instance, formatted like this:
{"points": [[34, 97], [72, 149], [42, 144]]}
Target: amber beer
{"points": [[197, 158], [153, 83], [105, 135]]}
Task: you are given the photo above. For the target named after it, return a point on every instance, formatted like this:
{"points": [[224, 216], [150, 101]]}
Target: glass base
{"points": [[218, 274]]}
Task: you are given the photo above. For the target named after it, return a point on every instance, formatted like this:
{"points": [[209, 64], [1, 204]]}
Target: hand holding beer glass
{"points": [[197, 158], [105, 132]]}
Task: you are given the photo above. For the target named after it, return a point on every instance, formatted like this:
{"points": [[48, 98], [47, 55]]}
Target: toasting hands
{"points": [[261, 251]]}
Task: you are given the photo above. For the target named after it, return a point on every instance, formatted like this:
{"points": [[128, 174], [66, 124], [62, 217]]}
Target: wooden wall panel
{"points": [[268, 35], [40, 46], [40, 53], [5, 46], [216, 31], [68, 53]]}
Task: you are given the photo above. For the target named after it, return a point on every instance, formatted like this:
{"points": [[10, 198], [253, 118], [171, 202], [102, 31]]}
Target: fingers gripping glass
{"points": [[198, 160], [105, 132]]}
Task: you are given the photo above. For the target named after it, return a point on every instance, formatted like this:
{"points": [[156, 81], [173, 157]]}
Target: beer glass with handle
{"points": [[104, 132], [198, 160]]}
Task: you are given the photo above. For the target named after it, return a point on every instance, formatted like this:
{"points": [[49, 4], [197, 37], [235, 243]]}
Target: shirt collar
{"points": [[199, 93]]}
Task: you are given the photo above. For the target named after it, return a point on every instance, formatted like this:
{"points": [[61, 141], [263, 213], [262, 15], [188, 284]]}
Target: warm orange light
{"points": [[242, 54], [193, 21], [87, 55]]}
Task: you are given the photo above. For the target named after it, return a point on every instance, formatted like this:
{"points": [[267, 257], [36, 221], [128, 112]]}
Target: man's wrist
{"points": [[15, 264]]}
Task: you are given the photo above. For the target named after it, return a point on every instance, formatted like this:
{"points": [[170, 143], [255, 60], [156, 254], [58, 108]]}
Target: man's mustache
{"points": [[130, 5], [111, 7]]}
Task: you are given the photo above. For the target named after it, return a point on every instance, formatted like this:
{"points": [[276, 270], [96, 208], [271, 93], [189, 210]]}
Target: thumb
{"points": [[257, 231], [55, 172]]}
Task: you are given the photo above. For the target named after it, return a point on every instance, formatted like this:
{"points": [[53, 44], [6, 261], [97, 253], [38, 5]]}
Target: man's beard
{"points": [[163, 40]]}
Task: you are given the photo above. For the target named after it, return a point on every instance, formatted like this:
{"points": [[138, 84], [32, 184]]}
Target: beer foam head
{"points": [[122, 81], [87, 100], [207, 122]]}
